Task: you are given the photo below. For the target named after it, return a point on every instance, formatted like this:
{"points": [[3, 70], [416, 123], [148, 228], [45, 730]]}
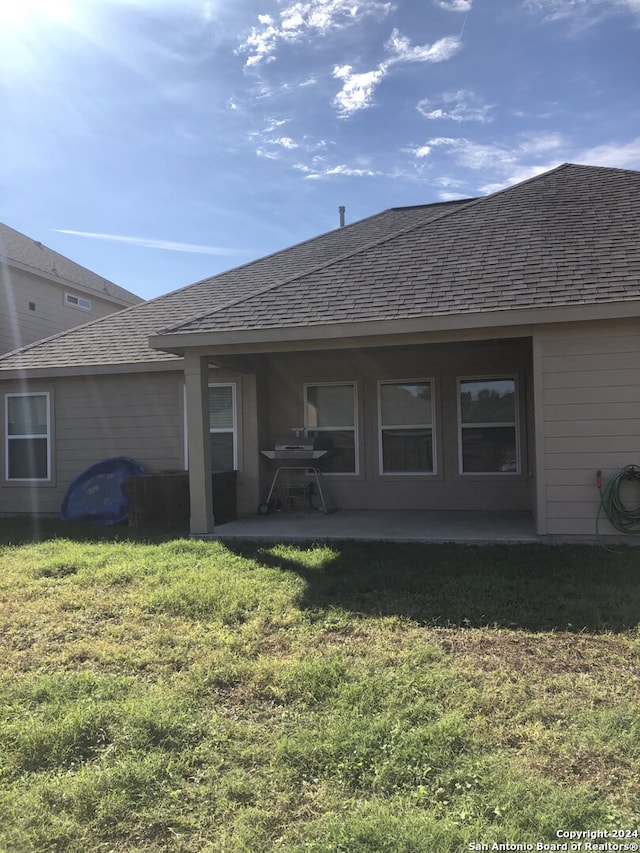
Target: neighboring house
{"points": [[42, 292], [482, 354]]}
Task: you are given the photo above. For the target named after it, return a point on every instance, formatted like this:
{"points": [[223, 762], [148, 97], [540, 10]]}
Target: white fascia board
{"points": [[29, 373], [332, 335]]}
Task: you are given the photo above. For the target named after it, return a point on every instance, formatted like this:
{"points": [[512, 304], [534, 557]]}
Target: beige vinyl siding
{"points": [[19, 325], [590, 411], [136, 415], [94, 418]]}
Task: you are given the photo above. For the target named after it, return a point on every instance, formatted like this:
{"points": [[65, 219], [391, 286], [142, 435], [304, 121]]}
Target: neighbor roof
{"points": [[29, 254], [569, 237], [123, 337]]}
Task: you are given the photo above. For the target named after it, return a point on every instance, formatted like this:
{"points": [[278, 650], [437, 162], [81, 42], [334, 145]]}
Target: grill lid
{"points": [[300, 447]]}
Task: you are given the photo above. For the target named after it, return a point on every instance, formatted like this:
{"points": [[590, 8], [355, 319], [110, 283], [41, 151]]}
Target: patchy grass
{"points": [[162, 694]]}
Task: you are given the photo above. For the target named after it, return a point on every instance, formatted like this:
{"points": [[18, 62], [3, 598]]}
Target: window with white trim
{"points": [[488, 437], [28, 436], [223, 427], [405, 427], [330, 418], [77, 302]]}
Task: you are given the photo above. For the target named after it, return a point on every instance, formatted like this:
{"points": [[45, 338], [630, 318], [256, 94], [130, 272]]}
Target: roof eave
{"points": [[350, 334], [80, 287]]}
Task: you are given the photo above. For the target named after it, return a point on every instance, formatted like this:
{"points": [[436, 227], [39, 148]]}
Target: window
{"points": [[406, 427], [27, 420], [77, 302], [222, 427], [330, 417], [488, 420], [223, 433]]}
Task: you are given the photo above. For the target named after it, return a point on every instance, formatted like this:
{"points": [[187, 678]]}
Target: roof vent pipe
{"points": [[341, 210]]}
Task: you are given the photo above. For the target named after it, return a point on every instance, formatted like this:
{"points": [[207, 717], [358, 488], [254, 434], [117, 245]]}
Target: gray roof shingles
{"points": [[122, 338], [568, 237]]}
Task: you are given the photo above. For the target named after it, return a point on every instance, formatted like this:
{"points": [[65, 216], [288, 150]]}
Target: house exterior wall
{"points": [[281, 391], [579, 412], [588, 419], [96, 417], [138, 415], [21, 324]]}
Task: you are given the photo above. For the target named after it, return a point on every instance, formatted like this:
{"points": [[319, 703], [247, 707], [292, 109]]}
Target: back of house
{"points": [[473, 356]]}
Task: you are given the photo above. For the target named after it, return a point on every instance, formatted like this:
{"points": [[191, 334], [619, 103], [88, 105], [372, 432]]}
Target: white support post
{"points": [[196, 377]]}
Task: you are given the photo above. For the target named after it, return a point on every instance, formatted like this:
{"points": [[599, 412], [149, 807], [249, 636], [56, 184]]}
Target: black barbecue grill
{"points": [[297, 475]]}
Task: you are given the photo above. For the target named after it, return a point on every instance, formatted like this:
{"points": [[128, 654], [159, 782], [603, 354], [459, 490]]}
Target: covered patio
{"points": [[470, 527]]}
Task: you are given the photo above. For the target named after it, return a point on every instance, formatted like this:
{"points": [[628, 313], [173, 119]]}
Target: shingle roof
{"points": [[568, 237], [31, 254], [122, 338]]}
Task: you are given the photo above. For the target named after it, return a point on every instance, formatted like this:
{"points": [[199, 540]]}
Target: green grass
{"points": [[162, 694]]}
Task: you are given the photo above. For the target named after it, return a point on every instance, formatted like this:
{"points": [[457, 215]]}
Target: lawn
{"points": [[164, 694]]}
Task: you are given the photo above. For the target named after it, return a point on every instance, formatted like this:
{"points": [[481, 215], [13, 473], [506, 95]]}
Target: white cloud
{"points": [[267, 153], [542, 143], [450, 183], [285, 142], [149, 243], [451, 196], [401, 49], [516, 175], [502, 165], [506, 164], [306, 19], [454, 5], [457, 106], [273, 123], [619, 156], [473, 155], [269, 145], [582, 12], [319, 169], [358, 89], [351, 172], [498, 157]]}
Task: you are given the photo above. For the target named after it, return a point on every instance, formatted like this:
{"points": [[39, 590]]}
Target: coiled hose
{"points": [[621, 517]]}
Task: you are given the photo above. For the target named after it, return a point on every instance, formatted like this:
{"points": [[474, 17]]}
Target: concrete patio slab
{"points": [[383, 525]]}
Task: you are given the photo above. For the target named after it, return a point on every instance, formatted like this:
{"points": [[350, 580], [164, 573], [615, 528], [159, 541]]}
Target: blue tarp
{"points": [[100, 495]]}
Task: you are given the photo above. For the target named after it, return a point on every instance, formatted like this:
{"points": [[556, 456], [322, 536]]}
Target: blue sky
{"points": [[159, 142]]}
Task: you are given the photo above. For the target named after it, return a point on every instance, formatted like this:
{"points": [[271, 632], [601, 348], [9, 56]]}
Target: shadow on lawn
{"points": [[531, 587]]}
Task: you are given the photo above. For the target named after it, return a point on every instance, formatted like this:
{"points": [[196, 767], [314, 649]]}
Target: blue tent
{"points": [[100, 494]]}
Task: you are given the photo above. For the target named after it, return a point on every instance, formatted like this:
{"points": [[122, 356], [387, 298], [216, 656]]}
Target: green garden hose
{"points": [[621, 517]]}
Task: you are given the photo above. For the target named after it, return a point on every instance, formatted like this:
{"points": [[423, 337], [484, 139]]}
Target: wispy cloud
{"points": [[497, 156], [401, 50], [454, 5], [149, 243], [456, 106], [320, 169], [358, 88], [304, 19], [502, 164], [582, 13], [616, 155]]}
